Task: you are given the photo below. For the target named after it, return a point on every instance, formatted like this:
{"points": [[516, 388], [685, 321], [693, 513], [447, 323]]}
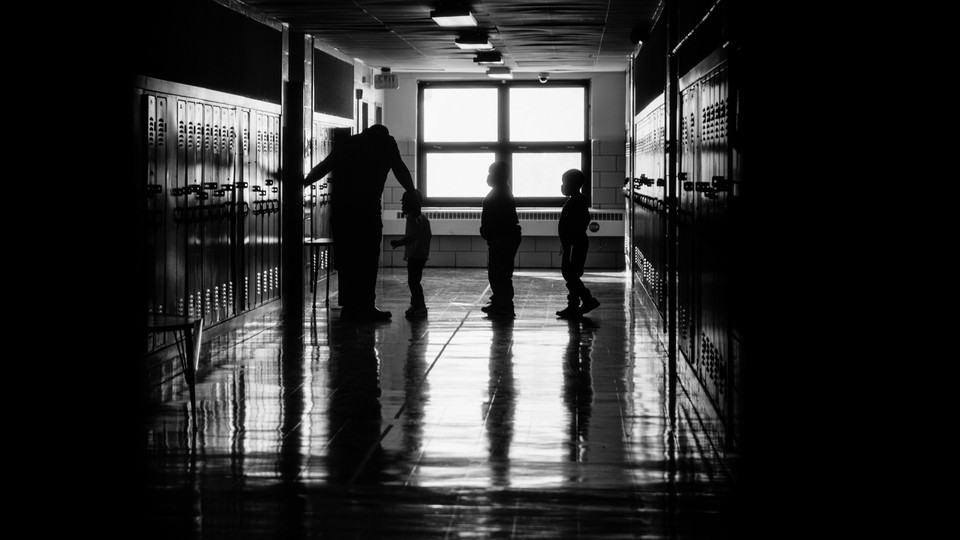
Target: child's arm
{"points": [[408, 239]]}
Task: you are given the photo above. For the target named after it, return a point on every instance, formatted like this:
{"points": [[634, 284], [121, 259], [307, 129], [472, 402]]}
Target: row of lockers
{"points": [[708, 184], [316, 201], [211, 184]]}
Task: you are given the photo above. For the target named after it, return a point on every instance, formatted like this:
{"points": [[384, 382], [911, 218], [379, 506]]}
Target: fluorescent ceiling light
{"points": [[478, 43], [499, 73], [453, 17], [488, 58]]}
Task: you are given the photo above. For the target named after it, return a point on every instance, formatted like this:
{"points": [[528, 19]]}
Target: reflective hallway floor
{"points": [[450, 426]]}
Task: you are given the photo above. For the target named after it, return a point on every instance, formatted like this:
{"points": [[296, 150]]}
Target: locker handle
{"points": [[720, 183], [242, 185], [244, 209], [193, 188], [682, 176], [203, 195], [702, 187], [276, 190], [688, 186], [153, 189], [661, 182], [218, 193], [226, 187], [209, 185], [269, 181]]}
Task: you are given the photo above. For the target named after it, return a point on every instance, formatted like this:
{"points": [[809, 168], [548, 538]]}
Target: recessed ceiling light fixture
{"points": [[453, 16], [477, 42], [488, 58], [499, 73]]}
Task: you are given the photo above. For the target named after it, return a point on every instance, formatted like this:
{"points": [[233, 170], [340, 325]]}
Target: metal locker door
{"points": [[706, 239], [686, 224], [247, 220], [149, 206], [214, 222], [208, 180], [661, 223], [268, 183], [275, 208], [151, 278], [179, 196], [231, 220], [221, 211], [714, 231], [195, 278], [267, 217], [258, 213], [166, 176]]}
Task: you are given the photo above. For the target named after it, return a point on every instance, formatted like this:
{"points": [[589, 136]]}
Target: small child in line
{"points": [[417, 241], [500, 227], [572, 229]]}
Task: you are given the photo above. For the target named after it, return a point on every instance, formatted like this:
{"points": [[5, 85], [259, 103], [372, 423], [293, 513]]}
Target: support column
{"points": [[292, 147]]}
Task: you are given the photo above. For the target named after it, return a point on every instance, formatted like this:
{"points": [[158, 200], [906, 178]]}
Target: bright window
{"points": [[539, 130]]}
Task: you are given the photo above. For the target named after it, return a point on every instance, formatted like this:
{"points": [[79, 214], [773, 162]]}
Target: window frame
{"points": [[503, 148]]}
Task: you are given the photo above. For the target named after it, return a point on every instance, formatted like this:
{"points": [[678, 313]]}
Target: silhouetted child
{"points": [[500, 227], [417, 239], [572, 228]]}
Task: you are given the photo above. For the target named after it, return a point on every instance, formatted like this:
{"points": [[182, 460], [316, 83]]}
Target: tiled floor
{"points": [[453, 426]]}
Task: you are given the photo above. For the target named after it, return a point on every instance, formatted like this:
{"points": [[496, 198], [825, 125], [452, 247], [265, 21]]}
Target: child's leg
{"points": [[571, 267], [414, 275]]}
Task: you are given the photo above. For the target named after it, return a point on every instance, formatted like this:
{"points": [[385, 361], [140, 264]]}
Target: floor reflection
{"points": [[578, 389], [446, 426], [499, 409]]}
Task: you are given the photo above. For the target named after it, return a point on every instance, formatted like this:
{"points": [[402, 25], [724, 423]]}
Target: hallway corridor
{"points": [[451, 426]]}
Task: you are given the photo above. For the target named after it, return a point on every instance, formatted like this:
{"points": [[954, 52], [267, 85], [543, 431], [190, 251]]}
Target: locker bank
{"points": [[262, 413]]}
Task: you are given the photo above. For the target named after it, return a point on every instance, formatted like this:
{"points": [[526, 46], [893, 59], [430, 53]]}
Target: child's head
{"points": [[572, 180], [411, 202], [499, 174]]}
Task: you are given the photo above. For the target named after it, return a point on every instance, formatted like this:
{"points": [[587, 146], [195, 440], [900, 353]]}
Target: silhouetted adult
{"points": [[359, 164]]}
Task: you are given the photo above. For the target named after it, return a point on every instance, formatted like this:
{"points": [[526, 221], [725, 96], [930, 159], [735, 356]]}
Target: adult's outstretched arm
{"points": [[322, 169]]}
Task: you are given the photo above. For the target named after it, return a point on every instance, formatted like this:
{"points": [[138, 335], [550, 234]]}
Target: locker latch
{"points": [[661, 182], [193, 188], [703, 187], [226, 187], [688, 186], [269, 181], [275, 190], [242, 185], [154, 189], [210, 185], [720, 183]]}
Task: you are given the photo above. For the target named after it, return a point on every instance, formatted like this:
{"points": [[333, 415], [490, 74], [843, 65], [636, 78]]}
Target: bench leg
{"points": [[193, 339]]}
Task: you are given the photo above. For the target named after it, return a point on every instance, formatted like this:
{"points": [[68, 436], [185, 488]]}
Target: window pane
{"points": [[546, 114], [460, 114], [458, 175], [538, 175]]}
